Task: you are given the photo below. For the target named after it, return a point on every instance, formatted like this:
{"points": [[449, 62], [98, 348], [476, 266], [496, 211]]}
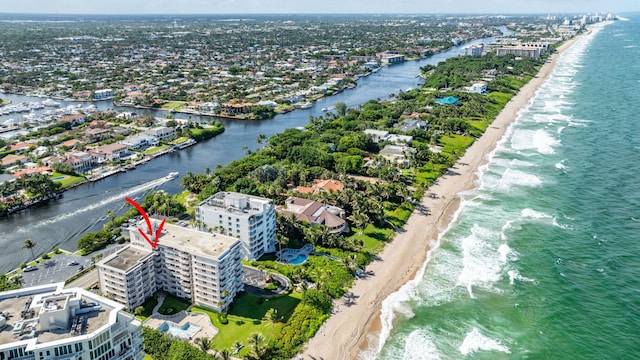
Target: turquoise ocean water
{"points": [[543, 260]]}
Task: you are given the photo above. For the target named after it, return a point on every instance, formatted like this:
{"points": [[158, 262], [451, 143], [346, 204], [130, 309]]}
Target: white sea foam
{"points": [[561, 166], [475, 341], [532, 214], [481, 266], [562, 226], [507, 253], [420, 346], [396, 302], [514, 275], [544, 142], [519, 178]]}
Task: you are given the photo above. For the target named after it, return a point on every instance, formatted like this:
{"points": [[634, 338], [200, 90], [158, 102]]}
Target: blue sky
{"points": [[314, 6]]}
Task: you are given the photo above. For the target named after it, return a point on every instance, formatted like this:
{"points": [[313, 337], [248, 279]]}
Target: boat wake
{"points": [[117, 197]]}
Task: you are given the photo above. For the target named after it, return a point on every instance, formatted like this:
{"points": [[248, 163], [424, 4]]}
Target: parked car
{"points": [[80, 268], [30, 268], [71, 263]]}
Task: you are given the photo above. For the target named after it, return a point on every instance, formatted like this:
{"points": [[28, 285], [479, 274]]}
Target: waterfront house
{"points": [[399, 154], [319, 186], [161, 132], [141, 141], [409, 124], [109, 152], [74, 119], [315, 213]]}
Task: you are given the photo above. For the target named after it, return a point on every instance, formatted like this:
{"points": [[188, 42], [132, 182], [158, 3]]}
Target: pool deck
{"points": [[287, 255], [181, 318]]}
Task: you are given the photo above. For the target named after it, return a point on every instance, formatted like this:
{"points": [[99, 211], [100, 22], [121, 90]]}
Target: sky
{"points": [[315, 6]]}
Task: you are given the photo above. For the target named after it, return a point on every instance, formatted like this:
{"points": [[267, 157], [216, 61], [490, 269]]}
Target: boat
{"points": [[328, 108], [50, 103], [305, 105], [172, 175]]}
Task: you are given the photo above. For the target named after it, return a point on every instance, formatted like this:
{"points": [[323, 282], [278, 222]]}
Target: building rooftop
{"points": [[124, 259], [190, 240], [236, 203], [77, 312]]}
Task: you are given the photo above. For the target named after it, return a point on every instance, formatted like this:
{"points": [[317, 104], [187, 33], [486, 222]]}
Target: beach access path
{"points": [[355, 324]]}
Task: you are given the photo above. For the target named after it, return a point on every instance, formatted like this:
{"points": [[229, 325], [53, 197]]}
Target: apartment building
{"points": [[51, 322], [201, 267], [251, 219]]}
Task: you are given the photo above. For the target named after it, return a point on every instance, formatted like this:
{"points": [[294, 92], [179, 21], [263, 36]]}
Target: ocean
{"points": [[542, 261]]}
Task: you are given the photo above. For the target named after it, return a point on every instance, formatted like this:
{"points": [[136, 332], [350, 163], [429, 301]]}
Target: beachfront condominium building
{"points": [[200, 267], [251, 219], [51, 322]]}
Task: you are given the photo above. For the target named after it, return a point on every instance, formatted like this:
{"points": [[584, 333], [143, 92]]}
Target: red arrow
{"points": [[155, 241]]}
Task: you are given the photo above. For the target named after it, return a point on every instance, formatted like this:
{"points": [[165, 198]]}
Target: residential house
{"points": [[316, 213], [161, 132], [399, 154], [20, 148], [319, 186], [140, 141], [409, 124], [12, 159], [74, 119], [109, 152], [477, 88], [103, 94]]}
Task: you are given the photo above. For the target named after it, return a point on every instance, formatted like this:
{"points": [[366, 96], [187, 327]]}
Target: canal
{"points": [[62, 222]]}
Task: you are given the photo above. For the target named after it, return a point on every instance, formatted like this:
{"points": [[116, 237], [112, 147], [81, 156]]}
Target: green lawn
{"points": [[245, 318], [172, 105], [373, 238], [455, 144], [68, 180], [179, 140], [400, 215], [173, 305], [155, 148], [148, 307]]}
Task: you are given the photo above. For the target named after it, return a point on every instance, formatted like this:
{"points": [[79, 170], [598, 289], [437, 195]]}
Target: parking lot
{"points": [[60, 268]]}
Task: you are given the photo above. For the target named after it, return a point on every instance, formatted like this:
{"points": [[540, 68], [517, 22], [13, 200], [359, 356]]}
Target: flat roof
{"points": [[14, 306], [194, 241], [123, 260]]}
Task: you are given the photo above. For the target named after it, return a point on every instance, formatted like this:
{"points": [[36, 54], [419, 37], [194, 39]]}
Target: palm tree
{"points": [[237, 346], [29, 244], [112, 218], [271, 316], [223, 354], [203, 343], [255, 341]]}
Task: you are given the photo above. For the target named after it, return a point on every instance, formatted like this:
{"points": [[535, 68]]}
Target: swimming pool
{"points": [[301, 258], [186, 331], [58, 178]]}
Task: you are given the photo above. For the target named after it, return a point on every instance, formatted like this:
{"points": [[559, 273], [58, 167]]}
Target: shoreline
{"points": [[355, 328]]}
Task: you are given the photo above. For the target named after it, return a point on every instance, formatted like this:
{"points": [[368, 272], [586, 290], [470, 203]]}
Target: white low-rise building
{"points": [[51, 322], [251, 219]]}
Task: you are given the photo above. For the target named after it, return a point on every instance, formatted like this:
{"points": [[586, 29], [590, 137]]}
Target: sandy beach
{"points": [[347, 332]]}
